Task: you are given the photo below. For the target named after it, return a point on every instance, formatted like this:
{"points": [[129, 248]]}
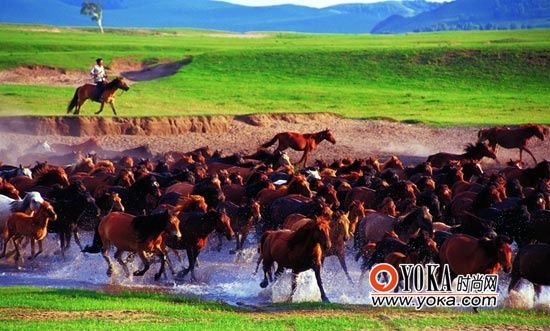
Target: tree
{"points": [[93, 9]]}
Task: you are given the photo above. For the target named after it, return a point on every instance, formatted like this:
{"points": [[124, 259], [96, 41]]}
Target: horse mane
{"points": [[150, 226], [406, 220], [23, 204], [304, 233], [184, 203], [48, 172], [474, 150]]}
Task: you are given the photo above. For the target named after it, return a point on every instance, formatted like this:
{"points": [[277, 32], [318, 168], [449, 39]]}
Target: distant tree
{"points": [[94, 10]]}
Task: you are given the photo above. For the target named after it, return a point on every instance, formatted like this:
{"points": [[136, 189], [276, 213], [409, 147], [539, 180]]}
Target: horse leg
{"points": [[170, 265], [342, 259], [279, 272], [185, 271], [538, 290], [100, 108], [317, 270], [192, 263], [40, 247], [294, 284], [118, 258], [112, 104], [162, 263], [17, 252], [105, 254], [32, 250], [79, 104], [219, 246], [6, 241], [267, 273], [304, 158], [528, 151], [77, 238], [146, 264]]}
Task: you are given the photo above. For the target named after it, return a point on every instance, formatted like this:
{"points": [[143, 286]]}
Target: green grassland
{"points": [[25, 308], [443, 79]]}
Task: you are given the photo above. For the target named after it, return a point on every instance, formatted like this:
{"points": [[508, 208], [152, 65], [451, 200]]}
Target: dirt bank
{"points": [[355, 138]]}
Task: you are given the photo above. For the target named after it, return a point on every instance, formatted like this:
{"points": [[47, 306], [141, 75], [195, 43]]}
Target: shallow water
{"points": [[221, 276]]}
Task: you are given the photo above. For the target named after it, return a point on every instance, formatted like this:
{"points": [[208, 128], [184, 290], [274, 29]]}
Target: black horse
{"points": [[134, 198]]}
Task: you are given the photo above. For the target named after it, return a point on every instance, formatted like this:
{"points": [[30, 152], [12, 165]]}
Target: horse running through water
{"points": [[34, 227], [137, 234], [87, 91], [301, 142], [531, 263], [513, 138], [299, 250]]}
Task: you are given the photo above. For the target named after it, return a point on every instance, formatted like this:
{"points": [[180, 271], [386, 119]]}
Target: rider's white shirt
{"points": [[98, 73]]}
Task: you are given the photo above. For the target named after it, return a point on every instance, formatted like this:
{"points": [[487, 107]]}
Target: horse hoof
{"points": [[109, 272], [263, 284], [326, 300], [138, 273], [157, 277]]}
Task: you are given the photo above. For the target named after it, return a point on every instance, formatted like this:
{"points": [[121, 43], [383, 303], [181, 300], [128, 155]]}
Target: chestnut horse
{"points": [[301, 142], [34, 227], [468, 255], [299, 250], [196, 227], [513, 138], [87, 91], [137, 234]]}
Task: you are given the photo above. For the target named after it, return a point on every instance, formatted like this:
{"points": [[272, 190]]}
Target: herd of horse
{"points": [[447, 210]]}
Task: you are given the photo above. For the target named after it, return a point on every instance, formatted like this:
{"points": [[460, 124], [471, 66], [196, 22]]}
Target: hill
{"points": [[473, 15], [207, 14]]}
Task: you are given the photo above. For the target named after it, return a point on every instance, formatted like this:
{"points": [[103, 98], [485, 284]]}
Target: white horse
{"points": [[7, 172], [30, 203]]}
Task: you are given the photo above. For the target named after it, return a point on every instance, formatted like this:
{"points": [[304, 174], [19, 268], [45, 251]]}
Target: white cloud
{"points": [[309, 3]]}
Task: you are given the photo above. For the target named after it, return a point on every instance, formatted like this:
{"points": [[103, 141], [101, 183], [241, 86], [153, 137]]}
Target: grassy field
{"points": [[443, 79], [25, 308]]}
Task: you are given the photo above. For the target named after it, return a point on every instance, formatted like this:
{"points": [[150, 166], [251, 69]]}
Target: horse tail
{"points": [[271, 142], [73, 102]]}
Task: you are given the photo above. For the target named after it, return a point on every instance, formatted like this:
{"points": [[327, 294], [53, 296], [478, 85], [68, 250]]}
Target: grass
{"points": [[27, 308], [443, 79]]}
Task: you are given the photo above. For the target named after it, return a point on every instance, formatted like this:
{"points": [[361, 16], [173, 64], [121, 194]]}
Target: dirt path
{"points": [[355, 138]]}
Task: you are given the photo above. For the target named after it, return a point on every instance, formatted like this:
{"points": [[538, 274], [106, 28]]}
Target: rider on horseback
{"points": [[99, 77]]}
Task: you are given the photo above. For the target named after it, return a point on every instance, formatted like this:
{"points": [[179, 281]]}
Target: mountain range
{"points": [[383, 17]]}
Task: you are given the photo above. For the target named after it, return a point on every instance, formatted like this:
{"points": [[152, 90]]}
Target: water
{"points": [[221, 277]]}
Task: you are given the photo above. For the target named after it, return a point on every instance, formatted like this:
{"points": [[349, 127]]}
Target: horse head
{"points": [[46, 210], [329, 136], [321, 233], [173, 224], [504, 253], [121, 83], [222, 222], [342, 224]]}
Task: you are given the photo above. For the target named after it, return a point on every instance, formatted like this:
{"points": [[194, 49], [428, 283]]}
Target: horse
{"points": [[513, 138], [8, 172], [134, 197], [137, 234], [469, 255], [31, 202], [88, 91], [301, 142], [89, 146], [292, 204], [74, 206], [34, 227], [7, 189], [46, 175], [530, 263], [242, 220], [530, 177], [473, 153], [195, 228]]}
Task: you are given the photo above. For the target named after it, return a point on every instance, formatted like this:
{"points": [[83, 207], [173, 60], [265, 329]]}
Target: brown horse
{"points": [[45, 176], [513, 138], [301, 142], [137, 234], [472, 153], [531, 263], [7, 189], [297, 250], [195, 228], [34, 227], [339, 234], [88, 91], [468, 255]]}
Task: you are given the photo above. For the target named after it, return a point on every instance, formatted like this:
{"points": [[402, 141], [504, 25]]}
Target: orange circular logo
{"points": [[386, 286]]}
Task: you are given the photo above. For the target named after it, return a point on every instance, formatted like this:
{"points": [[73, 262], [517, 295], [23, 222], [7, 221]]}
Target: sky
{"points": [[309, 3]]}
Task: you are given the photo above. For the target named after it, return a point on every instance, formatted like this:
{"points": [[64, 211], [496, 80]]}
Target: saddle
{"points": [[99, 88]]}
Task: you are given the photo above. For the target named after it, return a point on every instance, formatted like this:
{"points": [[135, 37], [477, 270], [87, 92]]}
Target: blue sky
{"points": [[309, 3]]}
